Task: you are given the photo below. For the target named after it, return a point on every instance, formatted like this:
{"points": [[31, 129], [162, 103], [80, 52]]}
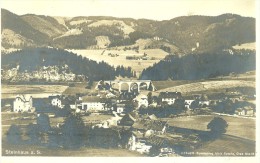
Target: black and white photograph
{"points": [[140, 78]]}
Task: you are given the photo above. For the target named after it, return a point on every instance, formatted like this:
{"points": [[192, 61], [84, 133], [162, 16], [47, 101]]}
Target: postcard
{"points": [[101, 80]]}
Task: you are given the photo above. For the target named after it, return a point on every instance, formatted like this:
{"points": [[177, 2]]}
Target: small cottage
{"points": [[23, 103]]}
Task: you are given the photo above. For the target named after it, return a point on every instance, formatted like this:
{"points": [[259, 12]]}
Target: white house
{"points": [[120, 108], [246, 111], [169, 97], [188, 103], [23, 103], [56, 101], [204, 103], [142, 100], [92, 104]]}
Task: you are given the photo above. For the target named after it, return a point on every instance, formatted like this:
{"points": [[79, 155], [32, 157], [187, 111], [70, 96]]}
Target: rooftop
{"points": [[91, 99], [170, 94]]}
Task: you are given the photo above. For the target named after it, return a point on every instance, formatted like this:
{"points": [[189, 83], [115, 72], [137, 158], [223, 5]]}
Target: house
{"points": [[141, 100], [56, 101], [249, 111], [188, 103], [169, 97], [113, 121], [204, 103], [137, 142], [161, 144], [150, 117], [120, 107], [92, 104], [150, 127], [246, 111], [240, 111], [23, 103]]}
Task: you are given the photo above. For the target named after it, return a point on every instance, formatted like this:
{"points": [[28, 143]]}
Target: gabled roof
{"points": [[170, 94], [24, 98], [138, 134], [91, 99], [151, 117], [157, 141]]}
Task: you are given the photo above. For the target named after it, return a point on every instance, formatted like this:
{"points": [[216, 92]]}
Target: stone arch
{"points": [[134, 86], [124, 87], [143, 86], [115, 86]]}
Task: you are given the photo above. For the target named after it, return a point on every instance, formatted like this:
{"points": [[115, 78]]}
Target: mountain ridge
{"points": [[188, 33]]}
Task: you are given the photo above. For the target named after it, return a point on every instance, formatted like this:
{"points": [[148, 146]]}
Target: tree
{"points": [[217, 126], [43, 122], [195, 104], [14, 135], [179, 106], [73, 132], [33, 133], [150, 98]]}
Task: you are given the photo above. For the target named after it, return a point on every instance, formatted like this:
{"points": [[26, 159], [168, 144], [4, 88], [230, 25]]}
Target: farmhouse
{"points": [[137, 142], [150, 127], [120, 107], [162, 145], [141, 100], [188, 103], [92, 103], [169, 97], [246, 111], [23, 103]]}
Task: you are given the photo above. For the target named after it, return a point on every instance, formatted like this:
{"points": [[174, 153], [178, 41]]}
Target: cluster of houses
{"points": [[106, 101], [147, 132], [46, 73]]}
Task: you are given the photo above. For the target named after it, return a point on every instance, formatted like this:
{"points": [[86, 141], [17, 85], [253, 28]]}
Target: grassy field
{"points": [[240, 127], [36, 91], [171, 83], [78, 88], [7, 119], [137, 65], [228, 146], [207, 86]]}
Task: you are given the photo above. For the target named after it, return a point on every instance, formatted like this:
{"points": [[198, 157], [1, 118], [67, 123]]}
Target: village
{"points": [[128, 114]]}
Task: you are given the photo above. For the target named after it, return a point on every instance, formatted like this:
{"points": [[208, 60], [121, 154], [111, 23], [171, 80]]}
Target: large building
{"points": [[92, 103], [169, 97], [23, 103]]}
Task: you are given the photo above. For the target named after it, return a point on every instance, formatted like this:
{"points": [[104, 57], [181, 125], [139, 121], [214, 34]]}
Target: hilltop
{"points": [[177, 36]]}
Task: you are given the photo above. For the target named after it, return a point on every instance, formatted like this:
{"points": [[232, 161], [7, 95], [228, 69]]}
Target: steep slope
{"points": [[18, 26], [204, 33], [186, 34], [45, 24]]}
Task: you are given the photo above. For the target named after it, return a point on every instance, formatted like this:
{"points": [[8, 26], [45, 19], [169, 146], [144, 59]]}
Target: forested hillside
{"points": [[202, 66]]}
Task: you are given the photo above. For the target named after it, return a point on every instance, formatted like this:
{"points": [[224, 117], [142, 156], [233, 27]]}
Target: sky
{"points": [[149, 9]]}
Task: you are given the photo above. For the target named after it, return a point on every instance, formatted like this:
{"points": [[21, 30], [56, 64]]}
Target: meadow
{"points": [[207, 86], [240, 127], [136, 65], [36, 91]]}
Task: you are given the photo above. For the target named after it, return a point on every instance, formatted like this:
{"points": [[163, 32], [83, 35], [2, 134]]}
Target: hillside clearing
{"points": [[240, 127], [136, 65], [207, 86]]}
